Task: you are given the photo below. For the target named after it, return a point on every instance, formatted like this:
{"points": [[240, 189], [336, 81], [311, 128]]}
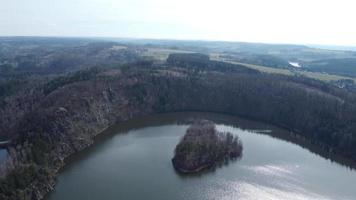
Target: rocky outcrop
{"points": [[203, 147]]}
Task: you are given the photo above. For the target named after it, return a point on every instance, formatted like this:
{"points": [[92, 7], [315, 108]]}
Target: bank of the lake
{"points": [[132, 161]]}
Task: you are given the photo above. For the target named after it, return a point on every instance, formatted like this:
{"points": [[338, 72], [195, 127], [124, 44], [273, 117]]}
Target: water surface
{"points": [[3, 154], [133, 161]]}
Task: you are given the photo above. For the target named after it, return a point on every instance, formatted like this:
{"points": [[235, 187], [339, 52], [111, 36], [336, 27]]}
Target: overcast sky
{"points": [[272, 21]]}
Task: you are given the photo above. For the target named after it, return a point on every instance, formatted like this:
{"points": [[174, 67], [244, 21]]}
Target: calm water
{"points": [[133, 161], [3, 154]]}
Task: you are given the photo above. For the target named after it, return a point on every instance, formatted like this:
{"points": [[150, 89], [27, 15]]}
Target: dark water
{"points": [[3, 154], [132, 161]]}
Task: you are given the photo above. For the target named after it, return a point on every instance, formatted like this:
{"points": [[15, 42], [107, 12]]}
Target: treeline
{"points": [[202, 62], [258, 59], [318, 111], [340, 66], [60, 81], [321, 117]]}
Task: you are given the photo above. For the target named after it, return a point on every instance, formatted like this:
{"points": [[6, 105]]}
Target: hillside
{"points": [[57, 117]]}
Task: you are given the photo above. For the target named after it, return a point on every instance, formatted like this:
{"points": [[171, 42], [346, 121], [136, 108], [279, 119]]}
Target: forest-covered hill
{"points": [[49, 117]]}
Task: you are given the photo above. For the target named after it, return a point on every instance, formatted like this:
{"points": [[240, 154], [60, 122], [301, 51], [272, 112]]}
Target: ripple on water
{"points": [[137, 165]]}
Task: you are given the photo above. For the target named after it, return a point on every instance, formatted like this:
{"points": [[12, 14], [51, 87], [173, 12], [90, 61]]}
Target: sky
{"points": [[329, 22]]}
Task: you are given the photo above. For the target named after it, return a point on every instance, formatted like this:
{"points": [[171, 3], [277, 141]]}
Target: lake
{"points": [[3, 154], [133, 161]]}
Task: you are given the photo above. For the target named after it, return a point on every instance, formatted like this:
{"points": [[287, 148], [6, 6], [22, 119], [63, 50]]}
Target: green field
{"points": [[315, 75], [162, 55]]}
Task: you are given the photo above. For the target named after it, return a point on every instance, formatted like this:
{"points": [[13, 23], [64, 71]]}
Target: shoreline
{"points": [[70, 159]]}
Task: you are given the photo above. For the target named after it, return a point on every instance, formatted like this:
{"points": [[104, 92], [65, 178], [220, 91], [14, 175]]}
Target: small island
{"points": [[204, 147]]}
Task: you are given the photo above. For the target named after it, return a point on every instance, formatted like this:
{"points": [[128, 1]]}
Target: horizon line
{"points": [[182, 40]]}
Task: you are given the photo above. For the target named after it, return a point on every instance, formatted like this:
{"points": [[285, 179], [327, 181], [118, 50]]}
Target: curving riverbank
{"points": [[67, 120], [119, 154]]}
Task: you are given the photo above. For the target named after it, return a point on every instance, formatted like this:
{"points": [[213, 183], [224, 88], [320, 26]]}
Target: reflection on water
{"points": [[137, 165]]}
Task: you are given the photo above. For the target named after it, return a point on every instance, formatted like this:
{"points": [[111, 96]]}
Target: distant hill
{"points": [[334, 47], [341, 66], [39, 56]]}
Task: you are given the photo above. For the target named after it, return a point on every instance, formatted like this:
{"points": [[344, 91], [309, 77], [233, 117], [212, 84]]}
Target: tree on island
{"points": [[203, 147]]}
